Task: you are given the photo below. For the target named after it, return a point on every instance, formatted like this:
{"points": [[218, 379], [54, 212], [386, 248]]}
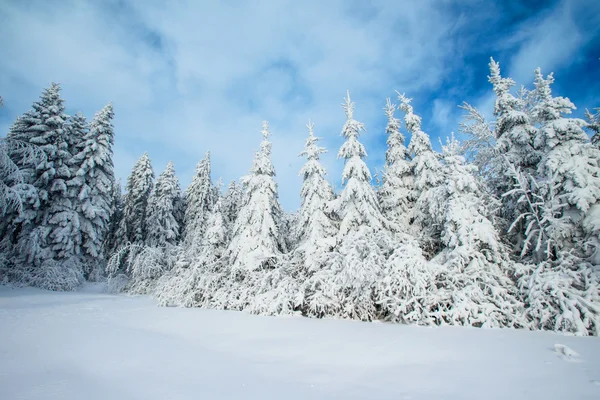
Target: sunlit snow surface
{"points": [[91, 345]]}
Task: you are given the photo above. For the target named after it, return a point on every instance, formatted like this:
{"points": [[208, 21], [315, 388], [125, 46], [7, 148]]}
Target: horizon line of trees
{"points": [[502, 230]]}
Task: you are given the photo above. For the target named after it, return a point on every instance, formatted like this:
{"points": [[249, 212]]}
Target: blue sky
{"points": [[187, 77]]}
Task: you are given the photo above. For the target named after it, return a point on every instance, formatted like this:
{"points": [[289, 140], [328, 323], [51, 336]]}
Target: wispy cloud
{"points": [[187, 77]]}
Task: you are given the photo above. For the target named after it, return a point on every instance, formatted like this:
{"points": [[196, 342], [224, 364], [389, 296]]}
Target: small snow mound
{"points": [[565, 351]]}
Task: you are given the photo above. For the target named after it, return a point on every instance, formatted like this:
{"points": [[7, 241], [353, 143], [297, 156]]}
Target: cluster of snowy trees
{"points": [[501, 230], [57, 187]]}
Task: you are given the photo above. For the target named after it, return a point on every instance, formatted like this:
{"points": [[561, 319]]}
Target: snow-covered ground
{"points": [[91, 345]]}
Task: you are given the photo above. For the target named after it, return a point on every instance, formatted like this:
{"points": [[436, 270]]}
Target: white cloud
{"points": [[187, 76]]}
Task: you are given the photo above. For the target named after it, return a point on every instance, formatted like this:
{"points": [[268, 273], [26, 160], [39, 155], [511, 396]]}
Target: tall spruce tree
{"points": [[474, 286], [139, 186], [199, 199], [315, 228], [112, 241], [593, 124], [161, 221], [427, 173], [345, 286], [232, 202], [256, 240], [94, 184], [396, 193]]}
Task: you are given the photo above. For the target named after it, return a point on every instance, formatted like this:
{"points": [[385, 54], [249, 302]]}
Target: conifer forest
{"points": [[501, 229]]}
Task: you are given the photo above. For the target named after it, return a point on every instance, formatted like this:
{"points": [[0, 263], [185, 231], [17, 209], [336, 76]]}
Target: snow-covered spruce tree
{"points": [[427, 174], [474, 286], [232, 202], [256, 242], [139, 186], [396, 192], [314, 228], [202, 283], [480, 146], [44, 250], [515, 134], [132, 231], [112, 241], [93, 185], [344, 287], [159, 252], [561, 215], [162, 226], [199, 198], [593, 124], [77, 129]]}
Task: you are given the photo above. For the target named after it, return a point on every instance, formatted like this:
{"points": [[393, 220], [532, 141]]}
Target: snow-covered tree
{"points": [[427, 174], [357, 205], [256, 241], [514, 130], [202, 283], [139, 186], [396, 192], [44, 232], [232, 202], [345, 286], [161, 223], [77, 129], [474, 287], [567, 179], [315, 228], [480, 145], [593, 125], [112, 241], [93, 185], [199, 198]]}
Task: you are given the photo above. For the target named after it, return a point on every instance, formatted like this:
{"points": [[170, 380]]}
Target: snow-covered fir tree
{"points": [[593, 124], [256, 240], [315, 229], [396, 192], [77, 129], [514, 130], [112, 241], [93, 185], [345, 286], [44, 232], [199, 198], [135, 204], [161, 222], [232, 202], [427, 174], [473, 287]]}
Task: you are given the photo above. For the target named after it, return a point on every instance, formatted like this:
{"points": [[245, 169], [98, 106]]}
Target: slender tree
{"points": [[396, 193]]}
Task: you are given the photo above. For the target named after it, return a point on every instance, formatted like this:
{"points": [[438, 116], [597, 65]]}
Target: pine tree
{"points": [[93, 185], [112, 241], [315, 228], [397, 190], [161, 223], [427, 174], [139, 186], [199, 198], [357, 205], [45, 231], [593, 124], [514, 130], [232, 202], [256, 240], [568, 174], [474, 286], [345, 286], [77, 129]]}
